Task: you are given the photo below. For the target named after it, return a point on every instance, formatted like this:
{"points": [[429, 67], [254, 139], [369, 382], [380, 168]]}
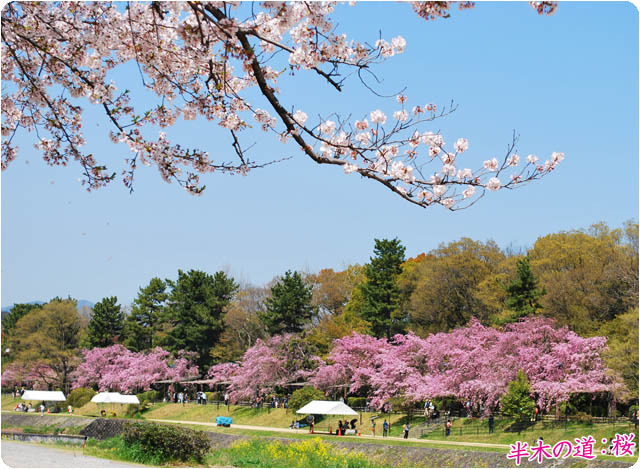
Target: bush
{"points": [[211, 396], [168, 442], [79, 397], [356, 401], [301, 397]]}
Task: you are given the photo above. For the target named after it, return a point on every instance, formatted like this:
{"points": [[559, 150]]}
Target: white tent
{"points": [[114, 398], [43, 396], [327, 408]]}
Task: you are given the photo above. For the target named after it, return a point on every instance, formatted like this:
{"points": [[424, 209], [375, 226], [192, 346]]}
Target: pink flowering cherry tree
{"points": [[222, 62], [474, 363], [39, 376], [116, 368], [269, 364]]}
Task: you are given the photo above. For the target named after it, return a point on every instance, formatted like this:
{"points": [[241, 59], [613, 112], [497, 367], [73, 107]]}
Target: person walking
{"points": [[406, 430], [42, 409], [448, 427], [373, 427], [491, 423], [385, 428]]}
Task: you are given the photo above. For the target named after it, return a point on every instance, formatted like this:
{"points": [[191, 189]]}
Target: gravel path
{"points": [[18, 454]]}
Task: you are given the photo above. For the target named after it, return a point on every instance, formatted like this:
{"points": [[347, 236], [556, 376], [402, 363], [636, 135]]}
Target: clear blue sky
{"points": [[566, 83]]}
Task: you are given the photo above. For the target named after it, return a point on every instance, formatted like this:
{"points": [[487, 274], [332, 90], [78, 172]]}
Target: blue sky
{"points": [[565, 83]]}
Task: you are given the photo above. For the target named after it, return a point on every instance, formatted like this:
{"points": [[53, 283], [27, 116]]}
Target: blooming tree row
{"points": [[39, 375], [473, 363], [205, 60], [116, 368]]}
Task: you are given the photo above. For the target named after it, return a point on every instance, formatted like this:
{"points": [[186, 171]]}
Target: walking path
{"points": [[366, 437], [20, 454]]}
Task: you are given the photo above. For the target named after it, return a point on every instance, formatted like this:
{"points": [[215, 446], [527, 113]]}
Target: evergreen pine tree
{"points": [[105, 326], [381, 293], [523, 293], [195, 312], [290, 306], [142, 327]]}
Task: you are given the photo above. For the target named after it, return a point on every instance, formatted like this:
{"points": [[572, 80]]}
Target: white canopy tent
{"points": [[114, 398], [43, 396], [327, 408]]}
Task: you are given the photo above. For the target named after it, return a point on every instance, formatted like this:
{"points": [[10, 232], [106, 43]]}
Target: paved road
{"points": [[367, 437], [19, 454]]}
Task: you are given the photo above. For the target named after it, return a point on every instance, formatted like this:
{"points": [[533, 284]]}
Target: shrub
{"points": [[79, 397], [301, 397], [356, 401], [211, 396], [168, 442]]}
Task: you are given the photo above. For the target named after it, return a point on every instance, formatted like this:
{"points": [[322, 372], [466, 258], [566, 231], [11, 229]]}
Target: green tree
{"points": [[51, 336], [381, 294], [301, 397], [195, 311], [523, 292], [517, 402], [18, 310], [106, 323], [622, 353], [142, 328], [290, 306]]}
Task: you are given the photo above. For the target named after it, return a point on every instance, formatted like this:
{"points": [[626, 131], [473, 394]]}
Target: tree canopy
{"points": [[106, 323], [290, 307]]}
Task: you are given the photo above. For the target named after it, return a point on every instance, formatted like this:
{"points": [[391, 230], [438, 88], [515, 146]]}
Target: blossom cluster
{"points": [[201, 61], [117, 368]]}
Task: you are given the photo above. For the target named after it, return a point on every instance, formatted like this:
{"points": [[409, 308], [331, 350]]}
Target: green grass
{"points": [[116, 448]]}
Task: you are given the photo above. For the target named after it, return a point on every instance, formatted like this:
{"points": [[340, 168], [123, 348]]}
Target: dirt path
{"points": [[354, 437], [19, 454]]}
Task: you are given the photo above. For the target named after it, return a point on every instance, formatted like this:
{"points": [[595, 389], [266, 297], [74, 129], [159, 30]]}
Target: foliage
{"points": [[47, 342], [523, 292], [195, 312], [117, 448], [588, 276], [381, 294], [443, 286], [335, 327], [332, 290], [183, 50], [17, 311], [301, 397], [242, 325], [289, 308], [79, 397], [142, 328], [622, 354], [517, 402], [119, 369], [168, 441], [357, 402], [107, 321], [306, 453]]}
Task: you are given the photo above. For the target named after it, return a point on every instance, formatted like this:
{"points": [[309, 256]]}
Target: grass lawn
{"points": [[270, 417]]}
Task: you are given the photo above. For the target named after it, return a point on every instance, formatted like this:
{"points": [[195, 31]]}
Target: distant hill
{"points": [[81, 306]]}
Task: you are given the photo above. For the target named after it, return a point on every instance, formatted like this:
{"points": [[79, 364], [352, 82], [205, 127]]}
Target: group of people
{"points": [[274, 403], [343, 427], [21, 407]]}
